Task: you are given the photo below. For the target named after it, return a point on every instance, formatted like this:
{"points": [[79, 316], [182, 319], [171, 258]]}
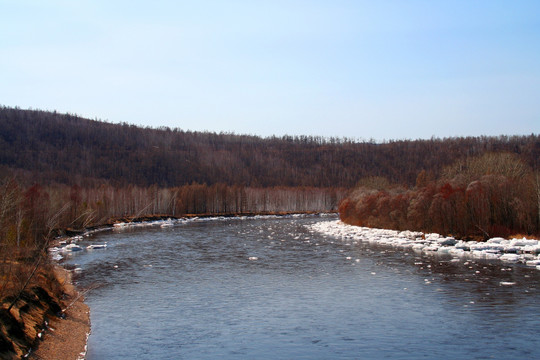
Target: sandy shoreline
{"points": [[66, 338]]}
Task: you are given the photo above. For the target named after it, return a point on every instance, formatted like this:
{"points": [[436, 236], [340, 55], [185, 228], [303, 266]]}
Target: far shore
{"points": [[148, 218]]}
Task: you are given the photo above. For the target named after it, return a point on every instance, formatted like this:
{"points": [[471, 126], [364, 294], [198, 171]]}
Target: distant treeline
{"points": [[48, 147], [496, 194], [28, 215]]}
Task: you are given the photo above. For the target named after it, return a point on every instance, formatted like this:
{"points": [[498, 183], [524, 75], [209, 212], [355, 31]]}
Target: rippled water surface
{"points": [[274, 289]]}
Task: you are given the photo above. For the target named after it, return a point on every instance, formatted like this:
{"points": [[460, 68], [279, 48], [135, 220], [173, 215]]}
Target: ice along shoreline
{"points": [[524, 251]]}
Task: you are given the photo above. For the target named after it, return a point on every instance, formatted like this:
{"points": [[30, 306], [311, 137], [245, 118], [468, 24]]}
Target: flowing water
{"points": [[275, 289]]}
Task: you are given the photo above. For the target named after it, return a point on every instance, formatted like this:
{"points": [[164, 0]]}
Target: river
{"points": [[274, 288]]}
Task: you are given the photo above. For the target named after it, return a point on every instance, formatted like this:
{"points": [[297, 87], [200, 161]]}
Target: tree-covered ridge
{"points": [[49, 147]]}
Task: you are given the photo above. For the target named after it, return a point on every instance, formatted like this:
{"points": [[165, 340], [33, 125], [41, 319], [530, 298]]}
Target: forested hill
{"points": [[49, 147]]}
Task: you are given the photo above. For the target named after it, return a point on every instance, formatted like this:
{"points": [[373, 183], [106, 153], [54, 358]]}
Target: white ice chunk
{"points": [[444, 250], [447, 241], [456, 252], [523, 242], [533, 249], [511, 258], [96, 246], [496, 240], [533, 262], [72, 247]]}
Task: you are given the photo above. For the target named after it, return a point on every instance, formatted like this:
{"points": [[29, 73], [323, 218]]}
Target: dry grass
{"points": [[521, 236]]}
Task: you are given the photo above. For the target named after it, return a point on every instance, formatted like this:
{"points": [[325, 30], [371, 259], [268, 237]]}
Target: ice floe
{"points": [[71, 247], [167, 223], [96, 246], [525, 251]]}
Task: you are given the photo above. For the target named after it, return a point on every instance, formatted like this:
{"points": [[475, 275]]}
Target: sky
{"points": [[372, 70]]}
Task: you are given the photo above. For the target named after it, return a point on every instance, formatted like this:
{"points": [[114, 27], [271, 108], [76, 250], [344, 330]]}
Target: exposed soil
{"points": [[48, 321], [66, 337]]}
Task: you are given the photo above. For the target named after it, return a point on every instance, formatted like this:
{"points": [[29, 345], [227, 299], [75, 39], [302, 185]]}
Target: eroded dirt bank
{"points": [[48, 321]]}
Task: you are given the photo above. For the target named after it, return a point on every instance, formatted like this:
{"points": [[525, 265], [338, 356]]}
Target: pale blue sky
{"points": [[361, 69]]}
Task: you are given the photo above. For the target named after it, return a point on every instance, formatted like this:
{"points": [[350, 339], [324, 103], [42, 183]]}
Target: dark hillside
{"points": [[48, 147]]}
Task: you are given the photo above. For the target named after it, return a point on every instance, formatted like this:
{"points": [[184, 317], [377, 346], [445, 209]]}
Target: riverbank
{"points": [[150, 219], [66, 335], [47, 319]]}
